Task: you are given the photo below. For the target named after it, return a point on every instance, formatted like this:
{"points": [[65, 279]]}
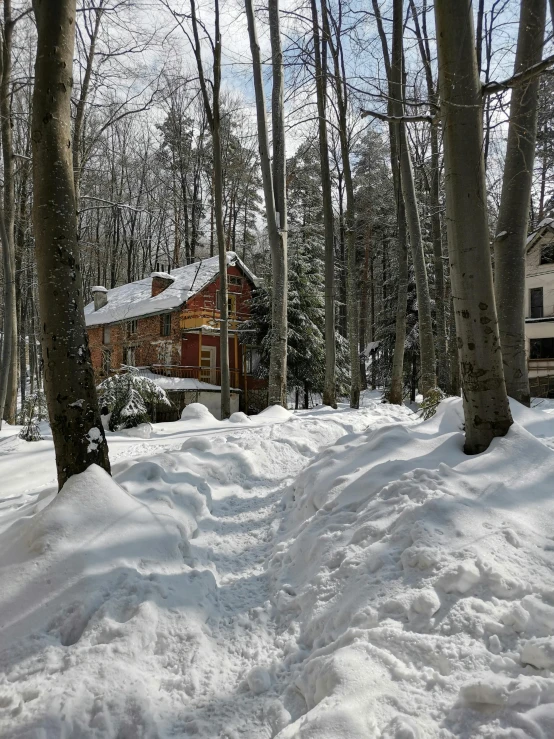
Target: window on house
{"points": [[106, 361], [252, 361], [132, 327], [542, 349], [234, 280], [547, 254], [165, 324], [231, 303], [106, 335], [536, 302]]}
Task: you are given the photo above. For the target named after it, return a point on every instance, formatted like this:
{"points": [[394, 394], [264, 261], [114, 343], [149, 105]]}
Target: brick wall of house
{"points": [[150, 347]]}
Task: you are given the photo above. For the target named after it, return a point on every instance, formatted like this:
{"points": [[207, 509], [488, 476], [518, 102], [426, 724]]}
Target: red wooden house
{"points": [[168, 325]]}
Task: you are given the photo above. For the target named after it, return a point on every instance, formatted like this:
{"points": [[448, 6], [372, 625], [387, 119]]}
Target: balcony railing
{"points": [[537, 367]]}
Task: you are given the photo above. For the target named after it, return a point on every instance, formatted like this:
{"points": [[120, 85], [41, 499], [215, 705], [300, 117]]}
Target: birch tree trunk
{"points": [[77, 431], [320, 58], [511, 231], [213, 114], [8, 396], [486, 409], [278, 354], [277, 394]]}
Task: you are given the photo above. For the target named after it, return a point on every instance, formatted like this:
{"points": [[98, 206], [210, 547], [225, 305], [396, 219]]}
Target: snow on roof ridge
{"points": [[545, 222], [135, 299]]}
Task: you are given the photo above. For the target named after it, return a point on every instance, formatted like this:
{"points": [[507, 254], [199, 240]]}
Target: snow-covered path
{"points": [[157, 620], [319, 575]]}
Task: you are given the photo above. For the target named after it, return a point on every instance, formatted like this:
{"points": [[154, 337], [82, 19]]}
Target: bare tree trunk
{"points": [[394, 76], [213, 115], [78, 434], [511, 231], [352, 307], [320, 57], [428, 378], [278, 355], [486, 409], [8, 396], [278, 359], [440, 297], [9, 315]]}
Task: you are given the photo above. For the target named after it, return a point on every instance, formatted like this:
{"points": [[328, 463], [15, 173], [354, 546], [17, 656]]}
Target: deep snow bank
{"points": [[419, 583], [138, 605]]}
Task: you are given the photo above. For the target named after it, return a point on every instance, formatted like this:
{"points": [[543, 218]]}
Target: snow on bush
{"points": [[419, 582], [196, 412], [127, 396]]}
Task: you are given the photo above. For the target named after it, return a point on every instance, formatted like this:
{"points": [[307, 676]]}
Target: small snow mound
{"points": [[200, 443], [259, 680], [449, 416], [142, 431], [275, 413], [239, 417], [539, 653], [196, 412]]}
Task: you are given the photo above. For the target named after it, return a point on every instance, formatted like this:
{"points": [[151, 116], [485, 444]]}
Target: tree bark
{"points": [[486, 409], [213, 114], [278, 355], [77, 430], [277, 394], [394, 76], [351, 255], [428, 378], [8, 385], [440, 297], [511, 230], [320, 59]]}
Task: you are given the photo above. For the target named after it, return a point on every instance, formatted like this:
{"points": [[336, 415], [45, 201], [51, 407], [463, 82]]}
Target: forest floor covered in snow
{"points": [[320, 574]]}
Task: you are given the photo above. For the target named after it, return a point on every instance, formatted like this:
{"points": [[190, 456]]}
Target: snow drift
{"points": [[421, 582]]}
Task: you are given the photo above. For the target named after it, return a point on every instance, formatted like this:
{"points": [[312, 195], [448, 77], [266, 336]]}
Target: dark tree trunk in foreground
{"points": [[511, 231], [77, 431], [8, 367], [486, 409], [320, 58]]}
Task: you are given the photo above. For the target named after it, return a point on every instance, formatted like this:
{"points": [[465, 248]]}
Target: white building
{"points": [[539, 308]]}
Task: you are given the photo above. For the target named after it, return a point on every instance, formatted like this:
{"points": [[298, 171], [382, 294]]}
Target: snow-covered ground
{"points": [[321, 574]]}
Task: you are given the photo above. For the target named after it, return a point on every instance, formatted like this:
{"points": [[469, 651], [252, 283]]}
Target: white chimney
{"points": [[100, 296]]}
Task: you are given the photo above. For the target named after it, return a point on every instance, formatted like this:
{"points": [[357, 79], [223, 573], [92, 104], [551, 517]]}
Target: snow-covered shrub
{"points": [[34, 410], [127, 397], [431, 402]]}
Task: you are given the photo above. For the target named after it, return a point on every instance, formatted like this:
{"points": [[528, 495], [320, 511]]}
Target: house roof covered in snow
{"points": [[135, 299], [545, 223]]}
